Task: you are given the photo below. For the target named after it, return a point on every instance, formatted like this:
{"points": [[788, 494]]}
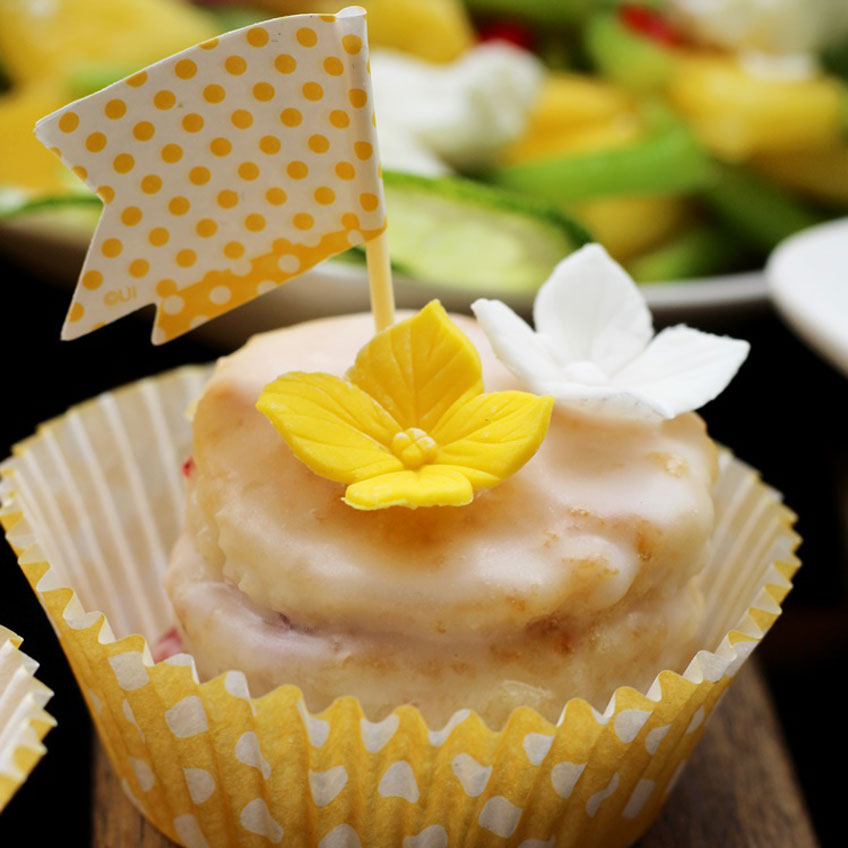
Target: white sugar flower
{"points": [[594, 347]]}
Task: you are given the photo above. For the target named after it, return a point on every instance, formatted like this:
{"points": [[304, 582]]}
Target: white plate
{"points": [[333, 288], [808, 278]]}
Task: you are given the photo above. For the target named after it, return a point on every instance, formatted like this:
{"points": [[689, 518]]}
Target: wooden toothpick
{"points": [[380, 281]]}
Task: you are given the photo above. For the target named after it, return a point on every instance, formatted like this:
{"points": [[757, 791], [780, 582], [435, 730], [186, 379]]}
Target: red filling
{"points": [[649, 22], [510, 31], [168, 645], [188, 467]]}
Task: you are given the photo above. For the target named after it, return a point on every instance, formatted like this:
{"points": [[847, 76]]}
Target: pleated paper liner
{"points": [[23, 721], [93, 502]]}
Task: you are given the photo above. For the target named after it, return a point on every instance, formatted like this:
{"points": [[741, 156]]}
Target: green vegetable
{"points": [[536, 11], [835, 59], [757, 210], [16, 204], [668, 160], [445, 231], [456, 232], [84, 79], [625, 57], [74, 214], [698, 252]]}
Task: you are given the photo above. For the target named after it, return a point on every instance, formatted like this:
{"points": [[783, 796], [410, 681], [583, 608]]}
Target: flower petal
{"points": [[333, 427], [602, 401], [524, 352], [432, 485], [490, 437], [682, 369], [417, 369], [590, 310]]}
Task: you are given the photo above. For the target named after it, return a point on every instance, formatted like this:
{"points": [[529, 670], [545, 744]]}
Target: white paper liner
{"points": [[23, 721], [94, 500]]}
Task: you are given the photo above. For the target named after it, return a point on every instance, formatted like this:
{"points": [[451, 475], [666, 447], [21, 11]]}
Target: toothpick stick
{"points": [[380, 281]]}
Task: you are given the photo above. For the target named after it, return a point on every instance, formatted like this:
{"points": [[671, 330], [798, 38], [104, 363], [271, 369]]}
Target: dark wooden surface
{"points": [[739, 788]]}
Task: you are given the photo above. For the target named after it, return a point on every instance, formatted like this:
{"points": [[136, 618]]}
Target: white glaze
{"points": [[599, 536]]}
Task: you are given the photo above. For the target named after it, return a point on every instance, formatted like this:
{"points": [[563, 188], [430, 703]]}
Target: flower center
{"points": [[413, 447], [586, 372]]}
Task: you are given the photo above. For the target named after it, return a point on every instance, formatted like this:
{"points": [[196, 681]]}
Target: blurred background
{"points": [[689, 137]]}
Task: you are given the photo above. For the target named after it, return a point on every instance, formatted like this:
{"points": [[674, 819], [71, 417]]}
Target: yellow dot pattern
{"points": [[333, 66], [68, 122], [151, 184], [269, 144], [144, 131], [228, 169], [137, 80], [186, 258], [254, 223], [263, 91], [234, 249], [199, 175], [297, 170], [285, 64], [138, 268], [92, 280], [257, 37], [185, 69], [172, 153], [275, 196], [248, 171], [193, 122], [95, 142], [242, 119], [164, 99], [227, 199], [339, 119], [235, 65], [115, 109], [324, 195], [131, 216], [318, 143], [206, 228], [158, 236], [291, 117], [112, 247], [313, 91], [220, 146], [123, 163], [178, 205], [214, 93]]}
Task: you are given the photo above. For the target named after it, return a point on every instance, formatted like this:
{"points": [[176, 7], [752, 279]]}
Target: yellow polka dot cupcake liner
{"points": [[23, 720], [92, 504]]}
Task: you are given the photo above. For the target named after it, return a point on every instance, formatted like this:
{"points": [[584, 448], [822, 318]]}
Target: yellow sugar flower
{"points": [[410, 425]]}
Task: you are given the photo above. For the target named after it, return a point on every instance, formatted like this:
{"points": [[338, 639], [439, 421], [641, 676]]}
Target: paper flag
{"points": [[224, 170]]}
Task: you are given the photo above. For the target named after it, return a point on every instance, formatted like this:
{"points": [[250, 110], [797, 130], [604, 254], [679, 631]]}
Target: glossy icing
{"points": [[593, 545]]}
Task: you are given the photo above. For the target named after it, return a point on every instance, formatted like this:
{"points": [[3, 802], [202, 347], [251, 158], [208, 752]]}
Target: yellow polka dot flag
{"points": [[224, 171]]}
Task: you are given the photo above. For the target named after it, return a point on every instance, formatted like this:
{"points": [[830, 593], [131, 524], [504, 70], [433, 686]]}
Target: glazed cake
{"points": [[574, 576]]}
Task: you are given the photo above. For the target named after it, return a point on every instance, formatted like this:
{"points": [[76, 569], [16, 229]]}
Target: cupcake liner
{"points": [[92, 503], [23, 721]]}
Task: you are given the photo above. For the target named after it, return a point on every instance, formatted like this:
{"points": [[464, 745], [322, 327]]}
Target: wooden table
{"points": [[739, 788]]}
